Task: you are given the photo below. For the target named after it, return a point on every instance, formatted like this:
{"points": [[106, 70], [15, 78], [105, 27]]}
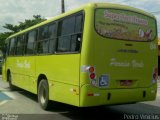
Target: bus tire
{"points": [[9, 79], [43, 94]]}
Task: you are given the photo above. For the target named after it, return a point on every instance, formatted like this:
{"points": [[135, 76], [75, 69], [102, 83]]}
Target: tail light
{"points": [[92, 76], [91, 70], [155, 75]]}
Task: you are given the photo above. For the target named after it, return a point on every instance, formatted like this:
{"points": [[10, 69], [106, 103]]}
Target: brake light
{"points": [[92, 73], [92, 76]]}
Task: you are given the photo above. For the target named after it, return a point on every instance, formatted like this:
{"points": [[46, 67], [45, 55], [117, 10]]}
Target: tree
{"points": [[12, 28], [3, 36], [21, 26]]}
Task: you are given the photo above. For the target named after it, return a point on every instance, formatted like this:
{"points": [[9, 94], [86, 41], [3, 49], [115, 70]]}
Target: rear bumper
{"points": [[91, 96]]}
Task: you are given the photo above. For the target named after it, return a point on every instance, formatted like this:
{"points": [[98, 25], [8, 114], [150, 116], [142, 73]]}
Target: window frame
{"points": [[21, 45], [80, 13], [53, 39], [48, 39], [14, 46], [34, 43]]}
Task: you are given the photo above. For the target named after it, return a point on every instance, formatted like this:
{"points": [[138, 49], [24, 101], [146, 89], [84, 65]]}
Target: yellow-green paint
{"points": [[117, 59]]}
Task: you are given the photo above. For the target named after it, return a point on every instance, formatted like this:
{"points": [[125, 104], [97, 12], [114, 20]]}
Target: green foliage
{"points": [[21, 26], [3, 36]]}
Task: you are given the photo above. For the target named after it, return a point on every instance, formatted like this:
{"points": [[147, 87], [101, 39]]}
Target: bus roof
{"points": [[91, 5]]}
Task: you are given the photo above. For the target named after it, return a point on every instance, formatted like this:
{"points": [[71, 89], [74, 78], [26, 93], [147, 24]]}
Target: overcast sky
{"points": [[14, 11]]}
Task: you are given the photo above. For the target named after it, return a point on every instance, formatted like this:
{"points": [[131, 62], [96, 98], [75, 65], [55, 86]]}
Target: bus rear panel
{"points": [[121, 62]]}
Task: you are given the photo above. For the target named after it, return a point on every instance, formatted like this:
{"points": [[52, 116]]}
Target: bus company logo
{"points": [[125, 18], [24, 64], [133, 63]]}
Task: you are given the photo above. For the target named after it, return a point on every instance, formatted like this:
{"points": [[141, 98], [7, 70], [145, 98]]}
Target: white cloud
{"points": [[14, 11], [71, 4]]}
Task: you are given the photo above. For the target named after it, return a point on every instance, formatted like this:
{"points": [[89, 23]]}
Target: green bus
{"points": [[98, 54]]}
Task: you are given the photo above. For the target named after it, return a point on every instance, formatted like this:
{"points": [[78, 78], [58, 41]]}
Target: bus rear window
{"points": [[125, 25]]}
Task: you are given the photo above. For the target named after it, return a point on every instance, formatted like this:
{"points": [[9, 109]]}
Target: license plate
{"points": [[125, 82]]}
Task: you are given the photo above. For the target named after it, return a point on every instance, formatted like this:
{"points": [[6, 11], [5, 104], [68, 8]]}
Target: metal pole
{"points": [[62, 3]]}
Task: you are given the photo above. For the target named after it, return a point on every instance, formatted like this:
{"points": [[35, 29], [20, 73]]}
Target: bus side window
{"points": [[75, 44], [20, 45], [43, 42], [70, 34], [78, 26], [12, 46], [31, 40], [76, 39], [52, 31], [66, 29], [6, 48]]}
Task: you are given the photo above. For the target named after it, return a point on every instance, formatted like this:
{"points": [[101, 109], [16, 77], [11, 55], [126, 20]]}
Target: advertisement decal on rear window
{"points": [[124, 25]]}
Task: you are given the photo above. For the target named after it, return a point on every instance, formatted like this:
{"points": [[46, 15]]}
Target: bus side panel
{"points": [[23, 72], [30, 70], [87, 50], [64, 93], [62, 72], [14, 64]]}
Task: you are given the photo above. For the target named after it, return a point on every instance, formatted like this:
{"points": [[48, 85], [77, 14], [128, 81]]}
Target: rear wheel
{"points": [[9, 79], [43, 94]]}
